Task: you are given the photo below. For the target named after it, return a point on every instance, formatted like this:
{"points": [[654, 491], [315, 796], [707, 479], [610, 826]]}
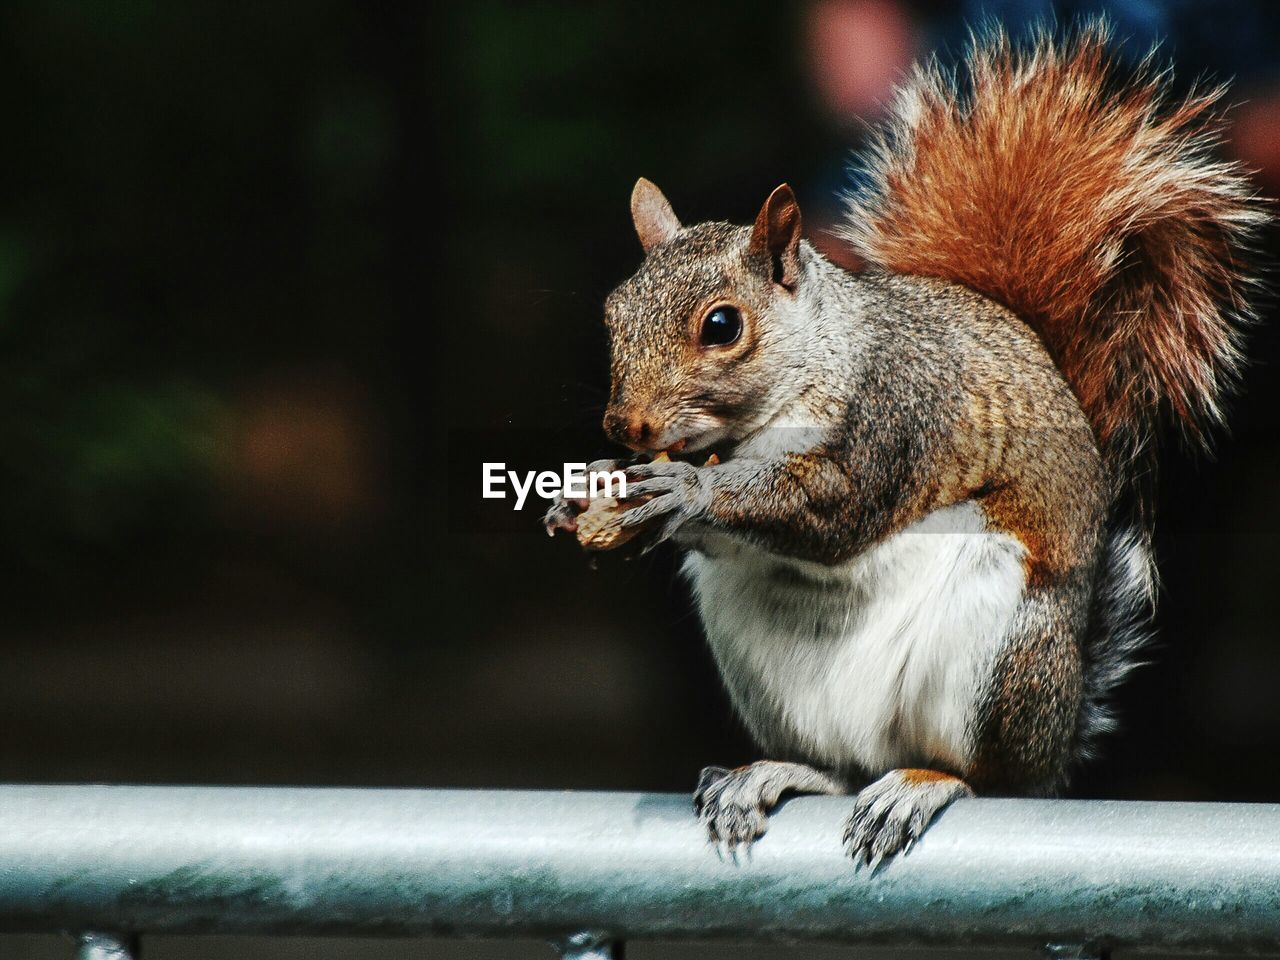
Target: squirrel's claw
{"points": [[729, 803], [890, 815], [666, 508], [680, 493], [562, 515], [734, 805], [646, 512], [563, 512]]}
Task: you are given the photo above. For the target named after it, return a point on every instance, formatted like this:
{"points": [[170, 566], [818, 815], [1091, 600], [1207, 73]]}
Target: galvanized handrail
{"points": [[588, 870]]}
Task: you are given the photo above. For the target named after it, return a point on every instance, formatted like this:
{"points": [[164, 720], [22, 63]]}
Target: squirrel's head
{"points": [[695, 333]]}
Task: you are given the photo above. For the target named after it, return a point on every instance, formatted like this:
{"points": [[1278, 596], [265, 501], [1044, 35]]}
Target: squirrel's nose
{"points": [[631, 429], [637, 431]]}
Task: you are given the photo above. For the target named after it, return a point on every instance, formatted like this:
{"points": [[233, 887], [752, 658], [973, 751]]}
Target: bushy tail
{"points": [[1085, 199]]}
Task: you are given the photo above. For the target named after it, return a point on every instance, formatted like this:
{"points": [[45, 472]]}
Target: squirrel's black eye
{"points": [[722, 326]]}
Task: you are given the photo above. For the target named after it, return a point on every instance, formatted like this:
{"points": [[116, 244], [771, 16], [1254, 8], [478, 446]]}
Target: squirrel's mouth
{"points": [[706, 457], [700, 454], [698, 447]]}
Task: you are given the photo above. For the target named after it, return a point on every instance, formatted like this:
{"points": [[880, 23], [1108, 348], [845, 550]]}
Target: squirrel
{"points": [[923, 561]]}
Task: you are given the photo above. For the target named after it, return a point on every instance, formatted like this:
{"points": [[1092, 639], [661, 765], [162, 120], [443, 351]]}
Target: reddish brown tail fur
{"points": [[1089, 203]]}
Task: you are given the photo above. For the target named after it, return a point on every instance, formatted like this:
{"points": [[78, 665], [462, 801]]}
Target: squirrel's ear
{"points": [[776, 234], [655, 221]]}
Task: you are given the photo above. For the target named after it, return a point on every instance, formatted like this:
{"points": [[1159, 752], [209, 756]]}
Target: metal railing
{"points": [[590, 870]]}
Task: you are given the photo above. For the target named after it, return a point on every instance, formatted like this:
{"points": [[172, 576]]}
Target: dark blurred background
{"points": [[275, 279]]}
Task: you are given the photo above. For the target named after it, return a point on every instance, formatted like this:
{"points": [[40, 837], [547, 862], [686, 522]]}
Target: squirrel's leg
{"points": [[1025, 728], [1026, 725], [891, 814], [801, 505], [734, 804]]}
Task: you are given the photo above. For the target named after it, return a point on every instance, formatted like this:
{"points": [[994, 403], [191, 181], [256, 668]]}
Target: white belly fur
{"points": [[876, 663]]}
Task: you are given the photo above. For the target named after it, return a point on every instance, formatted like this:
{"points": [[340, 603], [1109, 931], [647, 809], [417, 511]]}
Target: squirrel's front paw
{"points": [[563, 512], [892, 813], [673, 494]]}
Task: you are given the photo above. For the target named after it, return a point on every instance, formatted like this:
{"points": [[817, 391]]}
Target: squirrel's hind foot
{"points": [[734, 805], [891, 814]]}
